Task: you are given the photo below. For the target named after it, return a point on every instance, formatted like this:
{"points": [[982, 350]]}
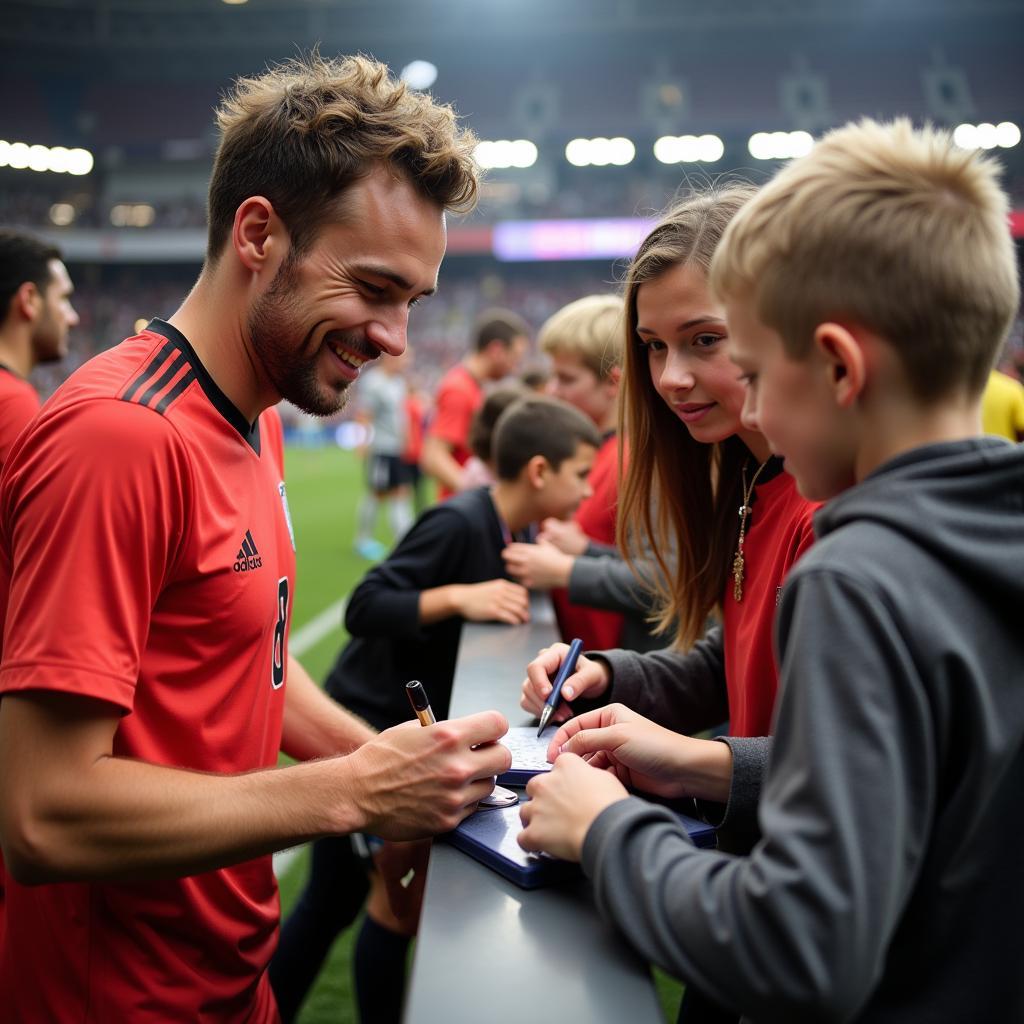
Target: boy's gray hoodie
{"points": [[888, 885]]}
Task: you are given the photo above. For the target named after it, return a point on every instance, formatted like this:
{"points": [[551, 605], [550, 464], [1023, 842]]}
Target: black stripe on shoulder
{"points": [[164, 379], [154, 364], [164, 403]]}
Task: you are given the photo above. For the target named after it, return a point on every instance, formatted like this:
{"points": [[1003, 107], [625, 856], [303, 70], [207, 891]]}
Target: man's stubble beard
{"points": [[274, 341]]}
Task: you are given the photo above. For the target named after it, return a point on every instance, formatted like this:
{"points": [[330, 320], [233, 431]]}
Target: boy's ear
{"points": [[844, 361], [537, 470], [258, 235]]}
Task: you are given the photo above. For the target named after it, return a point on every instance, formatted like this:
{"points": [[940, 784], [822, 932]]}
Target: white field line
{"points": [[301, 641], [309, 635]]}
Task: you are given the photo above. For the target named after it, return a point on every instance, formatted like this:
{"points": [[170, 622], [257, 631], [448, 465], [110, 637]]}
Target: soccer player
{"points": [[501, 337], [147, 571], [35, 317]]}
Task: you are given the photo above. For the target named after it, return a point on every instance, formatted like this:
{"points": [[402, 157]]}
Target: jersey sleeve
{"points": [[17, 408], [94, 516]]}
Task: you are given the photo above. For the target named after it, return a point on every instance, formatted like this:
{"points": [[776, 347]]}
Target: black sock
{"points": [[333, 896], [379, 967]]}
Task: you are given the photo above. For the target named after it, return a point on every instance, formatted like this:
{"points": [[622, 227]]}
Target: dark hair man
{"points": [[35, 317]]}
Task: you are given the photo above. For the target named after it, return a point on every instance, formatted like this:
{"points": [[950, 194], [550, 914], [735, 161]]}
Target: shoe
{"points": [[370, 549]]}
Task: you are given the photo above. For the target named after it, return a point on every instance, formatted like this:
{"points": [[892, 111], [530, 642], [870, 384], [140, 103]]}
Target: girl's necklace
{"points": [[738, 564]]}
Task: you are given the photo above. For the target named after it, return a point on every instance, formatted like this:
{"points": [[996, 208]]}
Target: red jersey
{"points": [[146, 560], [414, 435], [459, 395], [599, 629], [18, 404], [779, 530]]}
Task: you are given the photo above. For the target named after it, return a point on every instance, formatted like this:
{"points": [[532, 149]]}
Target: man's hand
{"points": [[564, 534], [591, 678], [494, 601], [538, 566], [563, 805], [410, 781], [645, 756]]}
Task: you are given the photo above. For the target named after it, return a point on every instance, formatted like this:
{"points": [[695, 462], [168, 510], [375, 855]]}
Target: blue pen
{"points": [[567, 669]]}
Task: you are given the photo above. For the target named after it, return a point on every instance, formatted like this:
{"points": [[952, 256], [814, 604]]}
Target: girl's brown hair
{"points": [[678, 494]]}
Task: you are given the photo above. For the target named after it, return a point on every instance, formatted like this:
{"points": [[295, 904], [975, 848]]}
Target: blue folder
{"points": [[489, 836]]}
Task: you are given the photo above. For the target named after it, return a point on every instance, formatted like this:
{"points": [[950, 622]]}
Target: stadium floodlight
{"points": [[779, 145], [60, 160], [22, 156], [710, 148], [419, 74], [503, 153], [600, 152], [62, 214], [965, 136], [800, 143], [577, 152], [986, 136], [38, 158], [621, 151], [79, 161], [689, 149], [1007, 134], [18, 156], [132, 215], [666, 149], [524, 153]]}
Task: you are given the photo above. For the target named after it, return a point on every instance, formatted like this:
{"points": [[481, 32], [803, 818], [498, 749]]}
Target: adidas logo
{"points": [[248, 558]]}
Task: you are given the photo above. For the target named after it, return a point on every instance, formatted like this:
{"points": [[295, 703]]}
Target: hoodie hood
{"points": [[963, 501]]}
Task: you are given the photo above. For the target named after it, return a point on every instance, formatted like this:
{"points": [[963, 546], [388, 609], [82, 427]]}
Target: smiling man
{"points": [[146, 683]]}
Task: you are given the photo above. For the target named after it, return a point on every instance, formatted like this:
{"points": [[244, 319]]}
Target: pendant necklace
{"points": [[738, 564]]}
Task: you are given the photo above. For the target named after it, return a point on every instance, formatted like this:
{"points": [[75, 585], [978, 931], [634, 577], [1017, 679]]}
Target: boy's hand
{"points": [[643, 755], [591, 678], [538, 566], [495, 601], [563, 805], [565, 534], [410, 781]]}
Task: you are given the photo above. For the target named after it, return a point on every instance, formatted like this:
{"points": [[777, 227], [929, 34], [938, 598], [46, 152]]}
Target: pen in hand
{"points": [[567, 669], [417, 694], [420, 702]]}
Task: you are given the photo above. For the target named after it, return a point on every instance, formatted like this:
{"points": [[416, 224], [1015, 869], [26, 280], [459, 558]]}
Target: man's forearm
{"points": [[130, 820], [437, 461], [315, 725]]}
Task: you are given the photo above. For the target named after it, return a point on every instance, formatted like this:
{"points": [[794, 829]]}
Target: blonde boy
{"points": [[584, 342], [595, 593], [868, 289]]}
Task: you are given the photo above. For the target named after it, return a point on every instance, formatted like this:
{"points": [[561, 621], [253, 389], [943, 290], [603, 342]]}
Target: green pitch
{"points": [[324, 488]]}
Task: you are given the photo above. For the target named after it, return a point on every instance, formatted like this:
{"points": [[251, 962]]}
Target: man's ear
{"points": [[614, 378], [27, 301], [258, 235], [537, 470], [844, 361]]}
